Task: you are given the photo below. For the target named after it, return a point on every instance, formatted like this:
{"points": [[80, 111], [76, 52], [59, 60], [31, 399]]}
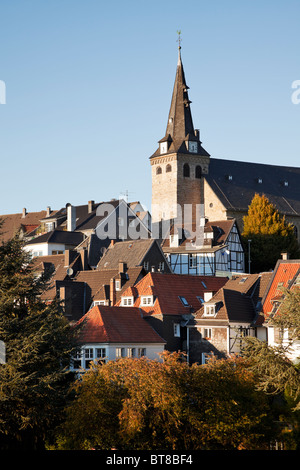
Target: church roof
{"points": [[180, 127], [235, 184]]}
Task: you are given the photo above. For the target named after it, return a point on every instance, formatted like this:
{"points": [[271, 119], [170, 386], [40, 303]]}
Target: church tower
{"points": [[180, 160]]}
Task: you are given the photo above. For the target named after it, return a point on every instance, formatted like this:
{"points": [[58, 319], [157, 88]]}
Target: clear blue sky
{"points": [[89, 84]]}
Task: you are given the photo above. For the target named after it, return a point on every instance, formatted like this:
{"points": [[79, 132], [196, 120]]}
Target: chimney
{"points": [[90, 206], [112, 292], [24, 213], [71, 218], [48, 211], [65, 297], [285, 255], [67, 258], [83, 256], [122, 267]]}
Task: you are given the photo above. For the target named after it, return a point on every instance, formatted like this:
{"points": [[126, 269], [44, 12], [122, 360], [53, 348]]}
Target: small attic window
{"points": [[163, 147], [285, 183], [184, 301], [229, 177], [209, 310], [259, 180], [244, 279], [147, 300]]}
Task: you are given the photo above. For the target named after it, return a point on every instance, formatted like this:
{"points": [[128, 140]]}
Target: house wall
{"points": [[44, 249], [152, 351], [222, 341], [164, 326], [276, 339], [214, 209], [199, 344], [154, 258]]}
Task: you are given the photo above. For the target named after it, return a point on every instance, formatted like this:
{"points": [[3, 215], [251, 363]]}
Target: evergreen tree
{"points": [[39, 342], [269, 233]]}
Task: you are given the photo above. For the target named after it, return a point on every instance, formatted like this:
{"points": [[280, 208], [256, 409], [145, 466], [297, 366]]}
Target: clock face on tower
{"points": [[193, 147]]}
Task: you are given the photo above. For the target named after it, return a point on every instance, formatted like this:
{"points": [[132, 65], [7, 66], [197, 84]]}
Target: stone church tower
{"points": [[179, 163]]}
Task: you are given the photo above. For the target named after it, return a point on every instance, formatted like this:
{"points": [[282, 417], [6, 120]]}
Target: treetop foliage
{"points": [[270, 235]]}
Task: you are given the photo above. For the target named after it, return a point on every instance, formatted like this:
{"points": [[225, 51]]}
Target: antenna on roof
{"points": [[125, 195]]}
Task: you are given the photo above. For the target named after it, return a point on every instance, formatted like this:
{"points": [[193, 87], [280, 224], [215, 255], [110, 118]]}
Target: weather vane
{"points": [[179, 39]]}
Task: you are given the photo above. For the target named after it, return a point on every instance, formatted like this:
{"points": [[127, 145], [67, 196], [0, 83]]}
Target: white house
{"points": [[109, 333]]}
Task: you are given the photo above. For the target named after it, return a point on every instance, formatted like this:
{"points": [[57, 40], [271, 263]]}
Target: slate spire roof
{"points": [[180, 127], [180, 122]]}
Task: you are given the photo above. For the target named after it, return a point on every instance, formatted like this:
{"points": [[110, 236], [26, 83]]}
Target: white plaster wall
{"points": [[152, 350], [45, 248]]}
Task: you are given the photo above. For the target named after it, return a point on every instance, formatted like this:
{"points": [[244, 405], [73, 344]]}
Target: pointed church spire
{"points": [[180, 134], [180, 123]]}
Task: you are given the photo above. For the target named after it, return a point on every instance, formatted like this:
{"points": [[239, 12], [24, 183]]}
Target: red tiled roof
{"points": [[116, 325], [284, 272], [167, 288]]}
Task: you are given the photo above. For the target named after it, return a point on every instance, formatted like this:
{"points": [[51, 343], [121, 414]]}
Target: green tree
{"points": [[35, 379], [269, 233], [278, 375], [142, 404]]}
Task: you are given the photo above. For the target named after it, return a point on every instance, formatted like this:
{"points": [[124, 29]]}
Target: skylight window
{"points": [[184, 301]]}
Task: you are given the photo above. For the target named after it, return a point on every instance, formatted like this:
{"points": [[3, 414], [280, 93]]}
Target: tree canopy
{"points": [[270, 235], [39, 342], [142, 404]]}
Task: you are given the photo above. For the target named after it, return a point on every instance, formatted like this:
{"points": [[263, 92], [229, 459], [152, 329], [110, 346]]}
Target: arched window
{"points": [[186, 170], [158, 170], [198, 171], [168, 168]]}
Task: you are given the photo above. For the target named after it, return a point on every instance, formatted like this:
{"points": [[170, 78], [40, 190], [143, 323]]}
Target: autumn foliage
{"points": [[270, 235], [142, 404]]}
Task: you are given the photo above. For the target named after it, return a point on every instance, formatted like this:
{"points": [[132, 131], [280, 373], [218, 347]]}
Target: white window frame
{"points": [[141, 352], [146, 265], [127, 301], [131, 352], [163, 147], [192, 260], [209, 310], [205, 357], [99, 302], [147, 300], [120, 352], [161, 265], [100, 355], [207, 333], [176, 329]]}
